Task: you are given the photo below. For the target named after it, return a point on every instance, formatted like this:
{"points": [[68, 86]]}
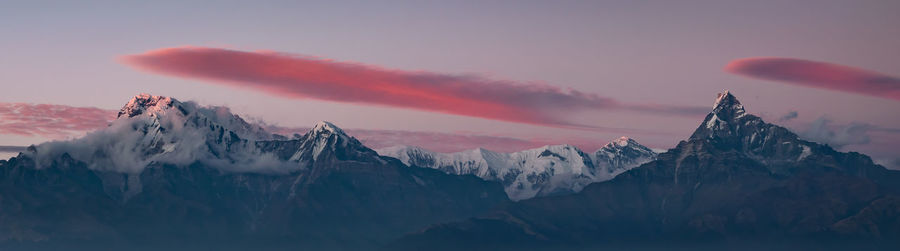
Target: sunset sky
{"points": [[502, 74]]}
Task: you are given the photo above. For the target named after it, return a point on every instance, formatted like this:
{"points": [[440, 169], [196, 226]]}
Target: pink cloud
{"points": [[818, 75], [305, 77], [51, 121]]}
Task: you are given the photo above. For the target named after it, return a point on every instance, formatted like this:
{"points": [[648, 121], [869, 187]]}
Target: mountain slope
{"points": [[737, 183], [322, 191], [548, 170]]}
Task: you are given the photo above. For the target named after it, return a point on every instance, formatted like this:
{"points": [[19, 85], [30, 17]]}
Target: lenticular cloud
{"points": [[304, 77], [818, 75]]}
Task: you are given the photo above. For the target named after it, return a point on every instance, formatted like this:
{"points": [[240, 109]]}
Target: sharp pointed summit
{"points": [[327, 127], [326, 140], [727, 116], [728, 107], [730, 127]]}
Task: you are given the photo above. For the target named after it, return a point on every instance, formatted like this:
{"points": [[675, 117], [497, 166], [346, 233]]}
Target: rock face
{"points": [[548, 170], [174, 175], [737, 183]]}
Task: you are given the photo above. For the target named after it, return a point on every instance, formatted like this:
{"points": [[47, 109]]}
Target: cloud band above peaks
{"points": [[303, 77]]}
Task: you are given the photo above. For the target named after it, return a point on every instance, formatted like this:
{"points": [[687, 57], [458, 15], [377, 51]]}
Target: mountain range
{"points": [[548, 170], [738, 183], [176, 175]]}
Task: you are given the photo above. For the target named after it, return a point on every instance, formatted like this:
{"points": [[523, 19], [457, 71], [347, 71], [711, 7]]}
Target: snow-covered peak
{"points": [[624, 142], [164, 130], [401, 148], [326, 127], [621, 142], [563, 152], [406, 153], [170, 113], [326, 138], [145, 103], [547, 170], [622, 154]]}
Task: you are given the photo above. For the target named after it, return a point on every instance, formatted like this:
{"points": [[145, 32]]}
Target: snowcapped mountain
{"points": [[548, 170], [325, 139], [158, 108], [729, 126], [620, 155], [155, 129], [172, 175]]}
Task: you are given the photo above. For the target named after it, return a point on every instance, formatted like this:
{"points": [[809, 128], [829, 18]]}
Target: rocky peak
{"points": [[725, 120], [727, 107], [729, 128]]}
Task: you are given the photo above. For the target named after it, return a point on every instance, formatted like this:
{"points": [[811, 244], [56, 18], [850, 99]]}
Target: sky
{"points": [[591, 70]]}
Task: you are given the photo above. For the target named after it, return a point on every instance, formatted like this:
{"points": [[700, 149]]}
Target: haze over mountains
{"points": [[177, 175]]}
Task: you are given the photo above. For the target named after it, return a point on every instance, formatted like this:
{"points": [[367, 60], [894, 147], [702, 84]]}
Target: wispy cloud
{"points": [[818, 75], [51, 121], [304, 77], [823, 131], [880, 143], [789, 116]]}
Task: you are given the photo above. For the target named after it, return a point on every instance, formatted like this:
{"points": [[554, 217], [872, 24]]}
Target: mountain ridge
{"points": [[542, 171], [176, 175], [736, 182]]}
